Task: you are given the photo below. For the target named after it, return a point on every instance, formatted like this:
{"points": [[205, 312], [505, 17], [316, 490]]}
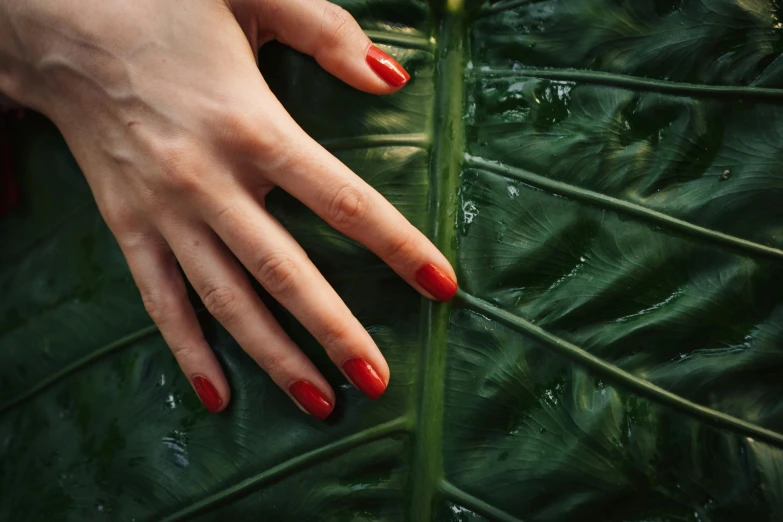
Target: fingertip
{"points": [[225, 395], [367, 68], [213, 400], [165, 298], [387, 68], [365, 377], [311, 399], [439, 284], [333, 37]]}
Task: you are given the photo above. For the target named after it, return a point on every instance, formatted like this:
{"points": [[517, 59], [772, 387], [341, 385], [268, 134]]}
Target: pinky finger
{"points": [[164, 294]]}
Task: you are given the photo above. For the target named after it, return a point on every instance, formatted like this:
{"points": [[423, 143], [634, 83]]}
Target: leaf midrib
{"points": [[448, 132]]}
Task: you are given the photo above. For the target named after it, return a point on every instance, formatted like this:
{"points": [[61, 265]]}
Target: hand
{"points": [[163, 106]]}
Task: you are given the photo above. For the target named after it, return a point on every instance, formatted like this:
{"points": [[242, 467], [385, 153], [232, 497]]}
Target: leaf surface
{"points": [[606, 177]]}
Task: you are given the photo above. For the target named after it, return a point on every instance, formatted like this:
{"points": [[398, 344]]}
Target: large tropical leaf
{"points": [[607, 177]]}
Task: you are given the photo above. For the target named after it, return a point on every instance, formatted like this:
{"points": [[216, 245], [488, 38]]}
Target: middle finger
{"points": [[223, 287], [282, 267]]}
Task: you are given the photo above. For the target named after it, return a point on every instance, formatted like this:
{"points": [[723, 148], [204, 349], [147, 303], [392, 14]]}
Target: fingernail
{"points": [[387, 67], [441, 286], [207, 393], [311, 399], [365, 378]]}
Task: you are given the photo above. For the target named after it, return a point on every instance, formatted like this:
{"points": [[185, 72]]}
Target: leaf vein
{"points": [[627, 81], [612, 372], [452, 492], [401, 40], [240, 489], [77, 365], [619, 205], [377, 140]]}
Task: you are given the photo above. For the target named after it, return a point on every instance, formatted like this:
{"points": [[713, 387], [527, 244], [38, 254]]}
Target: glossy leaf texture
{"points": [[605, 175]]}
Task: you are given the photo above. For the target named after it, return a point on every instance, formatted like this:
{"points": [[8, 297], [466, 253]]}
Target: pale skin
{"points": [[165, 110]]}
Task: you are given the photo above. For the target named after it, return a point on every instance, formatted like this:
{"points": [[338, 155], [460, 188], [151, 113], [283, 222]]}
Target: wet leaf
{"points": [[606, 177]]}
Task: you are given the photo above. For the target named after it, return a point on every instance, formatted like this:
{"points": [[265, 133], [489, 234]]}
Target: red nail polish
{"points": [[387, 67], [311, 399], [441, 286], [365, 378], [207, 393]]}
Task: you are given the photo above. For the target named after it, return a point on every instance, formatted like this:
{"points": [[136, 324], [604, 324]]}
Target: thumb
{"points": [[328, 33]]}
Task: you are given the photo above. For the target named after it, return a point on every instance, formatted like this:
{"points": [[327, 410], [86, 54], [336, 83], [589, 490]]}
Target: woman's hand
{"points": [[163, 106]]}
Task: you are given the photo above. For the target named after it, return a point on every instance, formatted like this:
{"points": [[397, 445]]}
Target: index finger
{"points": [[352, 206]]}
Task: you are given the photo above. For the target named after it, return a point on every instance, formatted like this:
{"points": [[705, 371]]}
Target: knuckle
{"points": [[221, 302], [178, 169], [153, 305], [182, 351], [14, 89], [242, 133], [348, 207], [273, 363], [333, 336], [156, 306], [338, 25], [239, 130], [231, 125], [129, 241], [227, 214], [276, 272], [400, 248], [120, 218]]}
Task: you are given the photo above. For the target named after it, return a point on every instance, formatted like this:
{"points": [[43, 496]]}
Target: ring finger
{"points": [[282, 267], [165, 297], [228, 296]]}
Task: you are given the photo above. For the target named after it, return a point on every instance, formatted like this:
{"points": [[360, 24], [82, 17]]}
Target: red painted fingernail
{"points": [[441, 286], [207, 393], [365, 378], [311, 399], [387, 67]]}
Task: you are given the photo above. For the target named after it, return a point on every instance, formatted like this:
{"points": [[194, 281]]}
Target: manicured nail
{"points": [[311, 399], [387, 67], [441, 286], [365, 378], [207, 393]]}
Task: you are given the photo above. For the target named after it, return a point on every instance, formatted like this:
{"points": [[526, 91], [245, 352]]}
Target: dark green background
{"points": [[608, 172]]}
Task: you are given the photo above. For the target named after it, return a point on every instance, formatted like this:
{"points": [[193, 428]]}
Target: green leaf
{"points": [[606, 177]]}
